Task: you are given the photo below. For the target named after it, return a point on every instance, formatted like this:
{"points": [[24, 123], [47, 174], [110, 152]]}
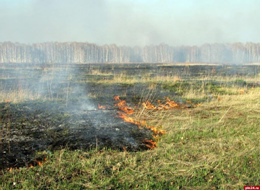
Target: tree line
{"points": [[82, 52]]}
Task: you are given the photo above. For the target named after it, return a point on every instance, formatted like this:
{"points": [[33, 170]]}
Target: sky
{"points": [[130, 22]]}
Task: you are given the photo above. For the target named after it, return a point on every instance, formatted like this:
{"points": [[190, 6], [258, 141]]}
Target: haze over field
{"points": [[129, 22]]}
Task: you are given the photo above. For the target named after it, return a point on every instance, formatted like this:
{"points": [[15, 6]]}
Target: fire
{"points": [[150, 144], [156, 131], [169, 104], [128, 119], [116, 98], [101, 106], [37, 162], [126, 112], [121, 104], [148, 105]]}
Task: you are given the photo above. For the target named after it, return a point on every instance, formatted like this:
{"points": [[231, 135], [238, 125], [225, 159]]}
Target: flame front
{"points": [[126, 113], [121, 104], [150, 144], [169, 104], [101, 106]]}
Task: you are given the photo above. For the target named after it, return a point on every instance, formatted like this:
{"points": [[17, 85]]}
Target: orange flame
{"points": [[156, 131], [116, 98], [148, 105], [101, 106], [169, 104], [126, 111], [122, 106], [37, 162], [150, 143], [127, 119], [172, 104]]}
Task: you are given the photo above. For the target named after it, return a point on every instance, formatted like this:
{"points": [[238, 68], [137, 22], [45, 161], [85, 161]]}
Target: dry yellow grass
{"points": [[214, 145], [16, 96]]}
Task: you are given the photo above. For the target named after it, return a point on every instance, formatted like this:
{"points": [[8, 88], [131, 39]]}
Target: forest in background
{"points": [[83, 52]]}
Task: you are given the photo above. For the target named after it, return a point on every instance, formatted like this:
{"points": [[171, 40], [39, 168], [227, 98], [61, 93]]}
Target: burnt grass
{"points": [[36, 126], [68, 117]]}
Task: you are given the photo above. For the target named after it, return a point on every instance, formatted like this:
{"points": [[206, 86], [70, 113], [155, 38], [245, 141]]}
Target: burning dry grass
{"points": [[125, 115], [138, 116], [212, 146]]}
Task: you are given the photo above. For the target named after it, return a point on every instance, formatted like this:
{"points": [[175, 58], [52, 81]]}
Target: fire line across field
{"points": [[32, 127]]}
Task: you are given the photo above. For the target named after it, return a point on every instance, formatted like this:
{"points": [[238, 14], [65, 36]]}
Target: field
{"points": [[61, 128]]}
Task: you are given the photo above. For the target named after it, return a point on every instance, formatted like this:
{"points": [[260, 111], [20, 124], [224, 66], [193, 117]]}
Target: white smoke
{"points": [[174, 22]]}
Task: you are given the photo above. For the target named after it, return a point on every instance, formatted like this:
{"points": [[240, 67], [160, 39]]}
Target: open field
{"points": [[211, 138]]}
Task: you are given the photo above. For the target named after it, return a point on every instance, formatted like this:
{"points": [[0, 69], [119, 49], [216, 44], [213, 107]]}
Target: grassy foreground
{"points": [[212, 146]]}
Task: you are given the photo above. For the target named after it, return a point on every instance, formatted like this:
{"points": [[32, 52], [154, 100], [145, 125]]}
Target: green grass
{"points": [[212, 146]]}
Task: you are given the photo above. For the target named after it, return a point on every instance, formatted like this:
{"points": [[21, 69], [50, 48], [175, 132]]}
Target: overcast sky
{"points": [[130, 22]]}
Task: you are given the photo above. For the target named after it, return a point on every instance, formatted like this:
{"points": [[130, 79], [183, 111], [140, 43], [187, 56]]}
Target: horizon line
{"points": [[247, 42]]}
